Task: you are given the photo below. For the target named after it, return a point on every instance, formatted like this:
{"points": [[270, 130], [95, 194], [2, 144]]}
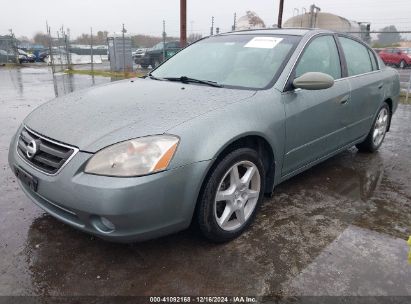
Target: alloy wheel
{"points": [[237, 195], [380, 127]]}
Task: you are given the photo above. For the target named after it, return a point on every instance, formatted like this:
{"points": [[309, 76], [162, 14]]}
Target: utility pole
{"points": [[280, 14], [68, 48], [124, 49], [59, 48], [51, 50], [235, 22], [164, 40], [14, 45], [212, 26], [91, 50], [183, 23]]}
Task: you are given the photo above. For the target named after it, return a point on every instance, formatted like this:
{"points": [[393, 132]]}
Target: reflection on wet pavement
{"points": [[338, 229], [359, 262]]}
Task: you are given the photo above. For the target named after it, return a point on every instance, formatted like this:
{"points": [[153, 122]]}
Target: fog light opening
{"points": [[102, 224]]}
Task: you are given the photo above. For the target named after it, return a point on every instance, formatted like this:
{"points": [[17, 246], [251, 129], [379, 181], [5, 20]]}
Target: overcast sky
{"points": [[145, 16]]}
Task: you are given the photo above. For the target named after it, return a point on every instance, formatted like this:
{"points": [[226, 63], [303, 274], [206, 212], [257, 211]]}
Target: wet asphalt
{"points": [[405, 74], [339, 228]]}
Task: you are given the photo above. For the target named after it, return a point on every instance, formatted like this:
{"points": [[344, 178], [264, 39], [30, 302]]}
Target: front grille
{"points": [[49, 156]]}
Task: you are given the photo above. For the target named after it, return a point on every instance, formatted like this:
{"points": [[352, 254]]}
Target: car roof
{"points": [[280, 31]]}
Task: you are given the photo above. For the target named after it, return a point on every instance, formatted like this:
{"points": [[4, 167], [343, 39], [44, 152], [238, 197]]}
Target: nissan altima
{"points": [[204, 136]]}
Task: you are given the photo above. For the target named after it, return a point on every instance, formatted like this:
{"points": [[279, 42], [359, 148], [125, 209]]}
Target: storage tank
{"points": [[324, 21], [250, 21]]}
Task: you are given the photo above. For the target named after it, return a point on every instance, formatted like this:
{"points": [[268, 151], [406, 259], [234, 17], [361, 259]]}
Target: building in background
{"points": [[120, 54]]}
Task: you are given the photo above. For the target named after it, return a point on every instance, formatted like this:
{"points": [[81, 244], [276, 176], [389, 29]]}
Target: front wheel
{"points": [[378, 131], [231, 195], [402, 64]]}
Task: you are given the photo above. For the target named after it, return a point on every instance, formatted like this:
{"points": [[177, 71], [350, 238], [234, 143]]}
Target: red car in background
{"points": [[395, 56]]}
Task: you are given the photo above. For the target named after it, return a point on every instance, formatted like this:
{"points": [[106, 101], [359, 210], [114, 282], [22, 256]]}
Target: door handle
{"points": [[345, 99], [380, 86]]}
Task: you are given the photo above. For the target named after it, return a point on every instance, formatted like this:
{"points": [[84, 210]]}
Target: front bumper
{"points": [[140, 208]]}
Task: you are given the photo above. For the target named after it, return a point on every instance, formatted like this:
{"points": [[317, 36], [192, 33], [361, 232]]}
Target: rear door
{"points": [[314, 119], [366, 86]]}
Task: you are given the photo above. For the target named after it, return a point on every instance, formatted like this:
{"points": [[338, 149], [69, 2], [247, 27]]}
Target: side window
{"points": [[321, 55], [373, 60], [357, 57]]}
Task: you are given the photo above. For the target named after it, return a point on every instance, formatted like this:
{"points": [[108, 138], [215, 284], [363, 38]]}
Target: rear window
{"points": [[357, 57]]}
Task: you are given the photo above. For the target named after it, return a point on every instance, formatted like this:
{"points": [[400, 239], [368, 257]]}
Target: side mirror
{"points": [[313, 81]]}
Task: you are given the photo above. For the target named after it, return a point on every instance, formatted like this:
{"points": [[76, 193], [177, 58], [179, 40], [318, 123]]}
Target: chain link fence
{"points": [[8, 50], [59, 56], [63, 54]]}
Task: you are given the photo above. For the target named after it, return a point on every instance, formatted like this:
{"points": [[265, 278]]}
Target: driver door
{"points": [[315, 119]]}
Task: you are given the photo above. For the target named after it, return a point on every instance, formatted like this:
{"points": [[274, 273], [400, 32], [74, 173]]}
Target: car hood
{"points": [[97, 117]]}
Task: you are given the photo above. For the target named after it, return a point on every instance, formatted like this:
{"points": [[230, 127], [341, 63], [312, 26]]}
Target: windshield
{"points": [[247, 61]]}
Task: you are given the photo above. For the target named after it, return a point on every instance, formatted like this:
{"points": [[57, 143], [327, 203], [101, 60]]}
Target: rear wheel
{"points": [[378, 131], [231, 195]]}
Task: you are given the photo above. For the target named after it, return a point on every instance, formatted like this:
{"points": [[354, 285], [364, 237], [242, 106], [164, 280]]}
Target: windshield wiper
{"points": [[185, 79], [149, 75]]}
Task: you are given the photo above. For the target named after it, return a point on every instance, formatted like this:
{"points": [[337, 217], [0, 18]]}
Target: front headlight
{"points": [[134, 157]]}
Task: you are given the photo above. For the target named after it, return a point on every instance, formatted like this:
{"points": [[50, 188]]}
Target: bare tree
{"points": [[146, 41], [24, 39], [101, 37], [194, 37], [41, 38]]}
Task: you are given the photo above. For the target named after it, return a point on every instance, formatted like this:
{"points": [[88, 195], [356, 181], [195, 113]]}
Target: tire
{"points": [[378, 130], [402, 64], [223, 220]]}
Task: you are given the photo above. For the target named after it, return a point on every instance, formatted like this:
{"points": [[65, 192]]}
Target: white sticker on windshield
{"points": [[263, 42]]}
